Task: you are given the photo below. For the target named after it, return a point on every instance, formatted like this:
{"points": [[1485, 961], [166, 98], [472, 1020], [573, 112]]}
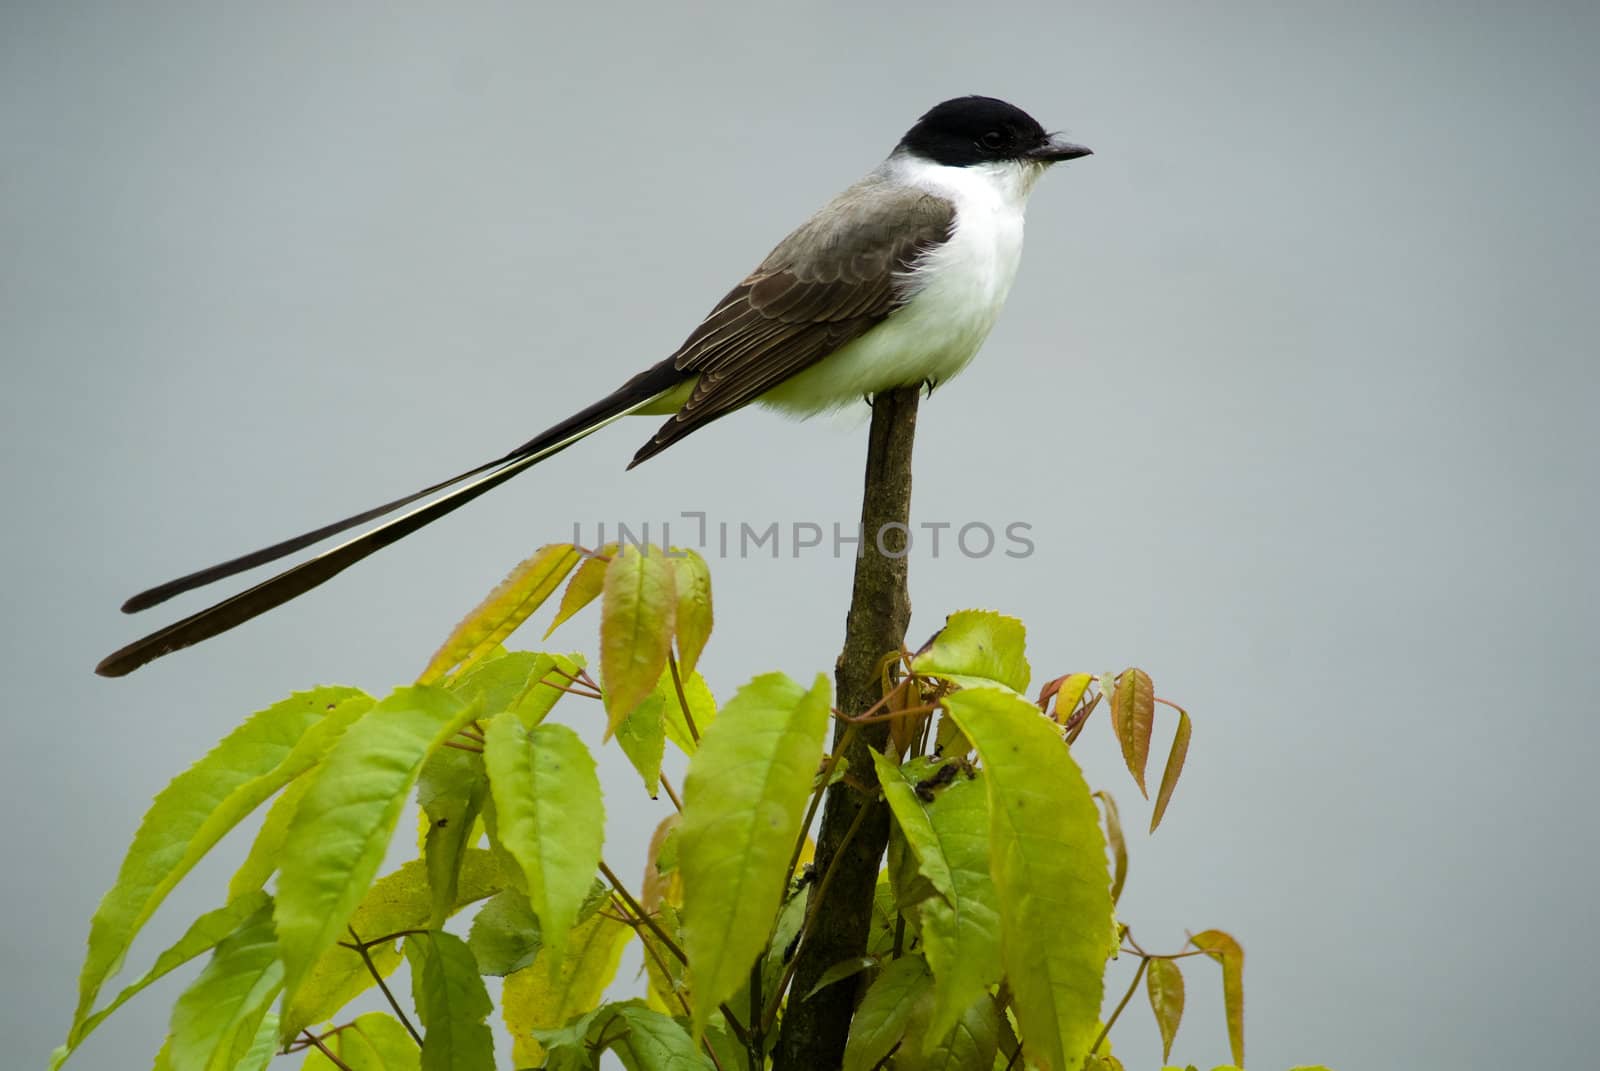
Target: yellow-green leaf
{"points": [[1163, 981], [636, 621], [1048, 862], [505, 934], [886, 1010], [400, 900], [702, 707], [451, 1002], [588, 580], [202, 804], [529, 682], [507, 606], [970, 1045], [343, 824], [744, 798], [977, 647], [949, 833], [643, 738], [214, 1021], [266, 851], [1169, 776], [372, 1042], [1133, 717], [1226, 951], [693, 618], [645, 1040], [1119, 845], [533, 999], [204, 934], [548, 814]]}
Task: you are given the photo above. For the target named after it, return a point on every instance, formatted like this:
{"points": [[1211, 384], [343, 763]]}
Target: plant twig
{"points": [[1144, 961], [334, 1060], [683, 698], [377, 976]]}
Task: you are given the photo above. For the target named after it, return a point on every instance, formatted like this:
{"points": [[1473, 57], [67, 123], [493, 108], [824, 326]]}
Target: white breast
{"points": [[957, 292]]}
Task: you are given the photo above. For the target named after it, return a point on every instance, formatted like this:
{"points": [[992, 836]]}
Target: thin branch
{"points": [[334, 1060], [1123, 1003], [683, 698], [671, 795], [377, 976]]}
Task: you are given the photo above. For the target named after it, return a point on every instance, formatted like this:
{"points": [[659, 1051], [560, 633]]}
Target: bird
{"points": [[894, 283]]}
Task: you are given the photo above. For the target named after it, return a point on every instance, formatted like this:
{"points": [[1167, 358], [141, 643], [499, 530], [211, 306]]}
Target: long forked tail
{"points": [[275, 591]]}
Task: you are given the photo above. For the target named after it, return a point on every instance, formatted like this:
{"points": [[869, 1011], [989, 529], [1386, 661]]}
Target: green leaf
{"points": [[848, 968], [549, 815], [642, 737], [263, 1047], [693, 617], [1175, 759], [344, 823], [214, 1021], [644, 1040], [529, 682], [970, 1045], [512, 601], [886, 1009], [744, 798], [202, 804], [1163, 981], [505, 934], [1118, 844], [266, 851], [949, 834], [584, 587], [204, 934], [1048, 862], [451, 790], [451, 1002], [536, 998], [1225, 950], [1133, 714], [636, 621], [400, 900], [977, 647], [373, 1042], [702, 708]]}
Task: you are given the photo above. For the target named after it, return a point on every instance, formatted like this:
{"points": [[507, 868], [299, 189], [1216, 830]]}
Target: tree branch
{"points": [[814, 1030]]}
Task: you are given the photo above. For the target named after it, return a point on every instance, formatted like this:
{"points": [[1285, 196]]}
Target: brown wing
{"points": [[823, 286]]}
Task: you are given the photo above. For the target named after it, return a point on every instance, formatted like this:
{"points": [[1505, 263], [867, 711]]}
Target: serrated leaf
{"points": [[1175, 760], [451, 790], [1163, 982], [744, 798], [702, 708], [535, 998], [1225, 950], [400, 900], [692, 619], [886, 1009], [977, 647], [588, 580], [266, 851], [372, 1042], [549, 815], [214, 1021], [1133, 717], [263, 1047], [970, 1045], [343, 825], [1048, 862], [198, 807], [505, 934], [528, 682], [636, 622], [451, 1002], [204, 934], [644, 1040], [1118, 845], [643, 739], [516, 597]]}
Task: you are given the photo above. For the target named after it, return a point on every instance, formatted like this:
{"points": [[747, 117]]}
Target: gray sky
{"points": [[1293, 389]]}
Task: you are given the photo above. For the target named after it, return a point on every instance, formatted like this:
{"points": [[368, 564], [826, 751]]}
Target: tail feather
{"points": [[291, 583]]}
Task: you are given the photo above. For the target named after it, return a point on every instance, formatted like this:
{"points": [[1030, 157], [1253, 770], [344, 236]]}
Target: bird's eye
{"points": [[993, 139]]}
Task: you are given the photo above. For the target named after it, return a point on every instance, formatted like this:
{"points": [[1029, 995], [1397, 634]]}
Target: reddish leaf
{"points": [[1164, 982], [1133, 717], [1169, 776], [1226, 951]]}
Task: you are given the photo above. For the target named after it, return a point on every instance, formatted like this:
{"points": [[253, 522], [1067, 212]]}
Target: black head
{"points": [[980, 130]]}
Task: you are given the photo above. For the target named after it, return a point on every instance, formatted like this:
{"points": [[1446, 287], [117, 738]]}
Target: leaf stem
{"points": [[377, 976], [334, 1060], [671, 795], [1144, 961], [683, 698]]}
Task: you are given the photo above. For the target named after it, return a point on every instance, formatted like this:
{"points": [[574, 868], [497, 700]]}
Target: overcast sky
{"points": [[1296, 391]]}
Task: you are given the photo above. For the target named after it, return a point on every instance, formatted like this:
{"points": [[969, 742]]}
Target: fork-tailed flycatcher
{"points": [[894, 283]]}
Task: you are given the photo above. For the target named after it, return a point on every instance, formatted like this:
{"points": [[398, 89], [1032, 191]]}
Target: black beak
{"points": [[1055, 150]]}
